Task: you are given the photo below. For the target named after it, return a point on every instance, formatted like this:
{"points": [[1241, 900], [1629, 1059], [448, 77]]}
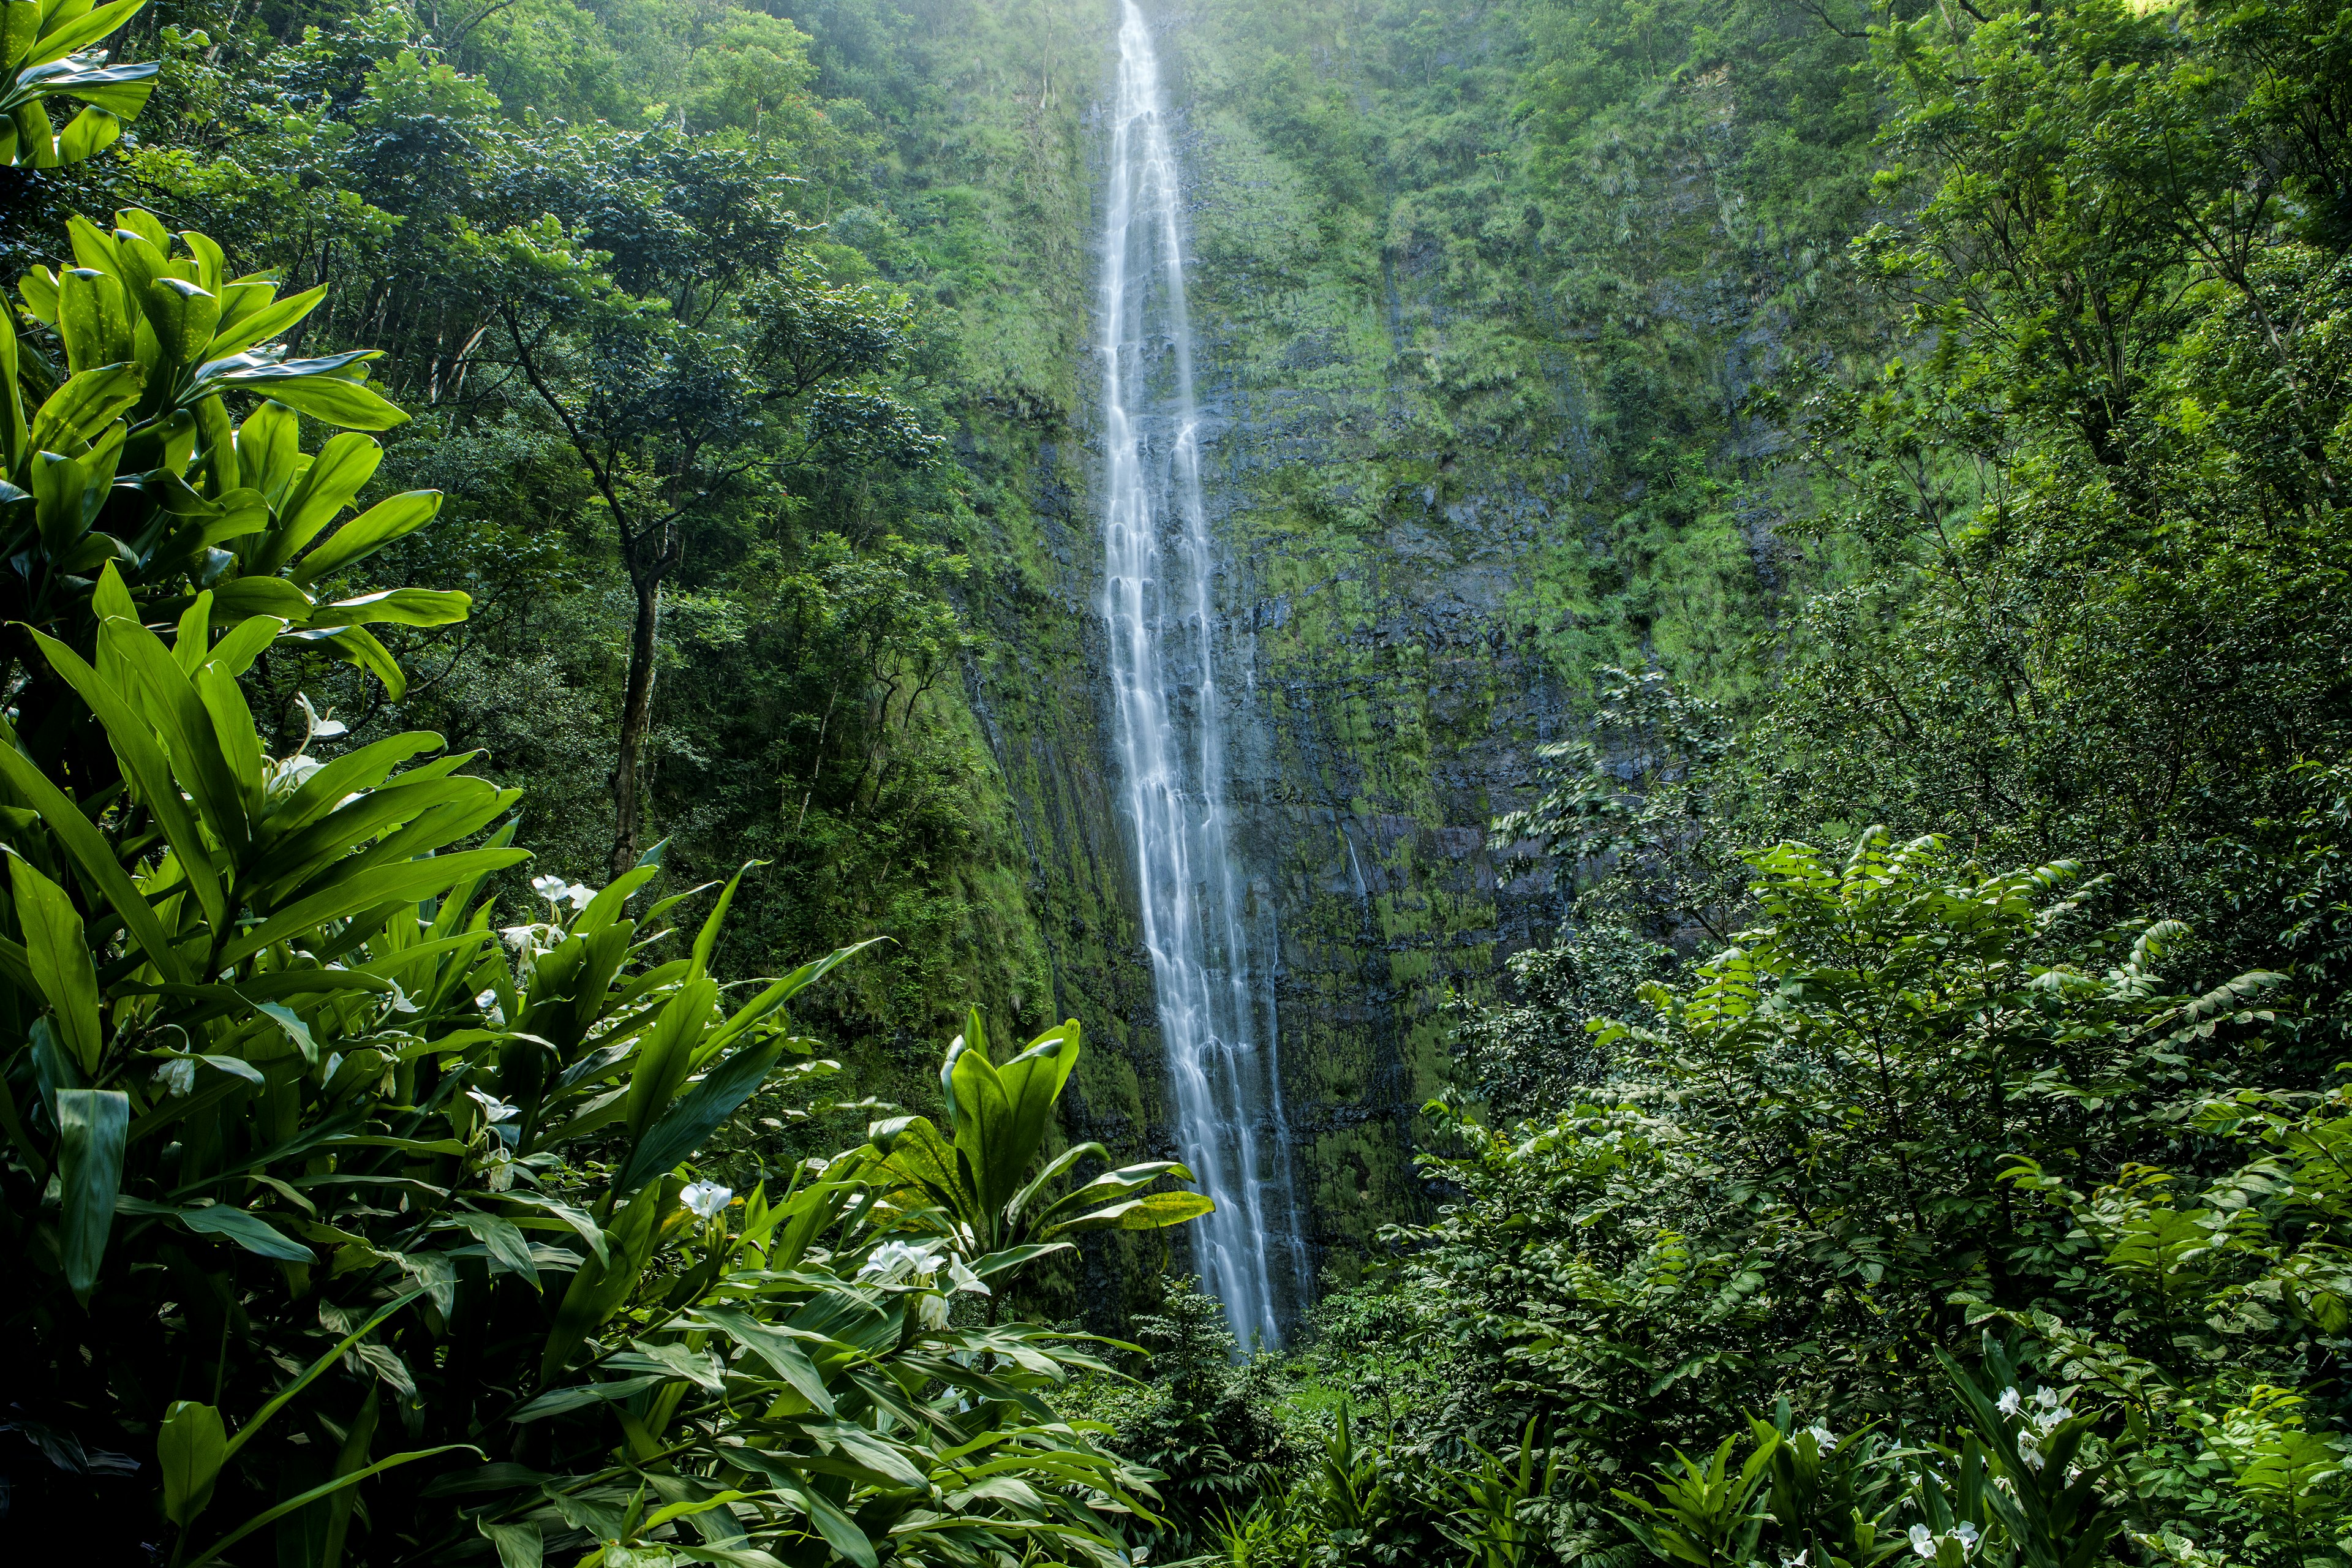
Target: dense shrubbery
{"points": [[343, 1222], [1974, 1191]]}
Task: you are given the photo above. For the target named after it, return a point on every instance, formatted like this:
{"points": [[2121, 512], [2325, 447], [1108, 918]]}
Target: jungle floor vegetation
{"points": [[1930, 1138]]}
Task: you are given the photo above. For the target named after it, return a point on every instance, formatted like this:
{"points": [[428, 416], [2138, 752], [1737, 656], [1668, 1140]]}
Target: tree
{"points": [[689, 403]]}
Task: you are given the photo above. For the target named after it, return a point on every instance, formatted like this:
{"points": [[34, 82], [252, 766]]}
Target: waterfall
{"points": [[1216, 1015]]}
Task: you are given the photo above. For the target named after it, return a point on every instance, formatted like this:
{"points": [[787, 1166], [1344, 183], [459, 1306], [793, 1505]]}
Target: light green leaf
{"points": [[192, 1444], [59, 953], [91, 1124]]}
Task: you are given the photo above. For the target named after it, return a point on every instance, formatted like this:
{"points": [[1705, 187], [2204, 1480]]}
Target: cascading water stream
{"points": [[1216, 1020]]}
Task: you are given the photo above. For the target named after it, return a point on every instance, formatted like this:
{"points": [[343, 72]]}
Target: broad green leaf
{"points": [[78, 34], [1153, 1212], [783, 1353], [94, 858], [519, 1546], [396, 606], [182, 316], [89, 133], [697, 1113], [60, 954], [340, 471], [241, 598], [192, 1444], [91, 1125], [505, 1243], [88, 403], [272, 319], [407, 881], [668, 1054], [598, 1289], [388, 520], [248, 1229], [94, 320], [166, 694], [357, 645], [1033, 1083]]}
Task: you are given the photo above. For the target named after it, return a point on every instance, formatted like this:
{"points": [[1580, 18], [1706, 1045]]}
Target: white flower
{"points": [[895, 1260], [1824, 1441], [321, 729], [2010, 1402], [1923, 1540], [2050, 1418], [286, 776], [1966, 1534], [964, 1279], [551, 887], [529, 941], [498, 1168], [2046, 1397], [2034, 1460], [580, 894], [1798, 1561], [494, 1109], [178, 1076], [706, 1198], [492, 1014], [931, 1311]]}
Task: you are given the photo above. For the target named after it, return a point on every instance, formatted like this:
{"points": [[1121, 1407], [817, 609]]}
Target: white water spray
{"points": [[1215, 1017]]}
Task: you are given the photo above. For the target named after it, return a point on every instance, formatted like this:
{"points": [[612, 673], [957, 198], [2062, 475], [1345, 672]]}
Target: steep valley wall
{"points": [[1475, 435]]}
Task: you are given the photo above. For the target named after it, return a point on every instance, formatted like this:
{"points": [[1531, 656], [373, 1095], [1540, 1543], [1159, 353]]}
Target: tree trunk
{"points": [[637, 722]]}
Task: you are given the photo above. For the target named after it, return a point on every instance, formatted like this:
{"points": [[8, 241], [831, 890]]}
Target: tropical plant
{"points": [[335, 1156], [1827, 1495], [1707, 1515], [47, 50], [127, 459], [2050, 1508], [974, 1184], [1492, 1518]]}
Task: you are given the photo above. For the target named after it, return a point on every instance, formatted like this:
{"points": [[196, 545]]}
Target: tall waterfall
{"points": [[1216, 1016]]}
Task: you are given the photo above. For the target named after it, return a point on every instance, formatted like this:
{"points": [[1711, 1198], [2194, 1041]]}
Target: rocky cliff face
{"points": [[1473, 349]]}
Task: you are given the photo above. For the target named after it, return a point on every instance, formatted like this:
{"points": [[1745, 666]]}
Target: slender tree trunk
{"points": [[637, 722]]}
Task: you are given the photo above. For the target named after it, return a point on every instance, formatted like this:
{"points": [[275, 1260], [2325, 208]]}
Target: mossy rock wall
{"points": [[1480, 292]]}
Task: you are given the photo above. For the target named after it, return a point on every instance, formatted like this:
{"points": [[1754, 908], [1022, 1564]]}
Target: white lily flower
{"points": [[551, 887], [492, 1014], [2010, 1402], [1799, 1560], [2034, 1460], [322, 727], [1824, 1441], [932, 1311], [287, 775], [1966, 1534], [962, 1277], [706, 1198], [2050, 1418], [494, 1109], [498, 1168], [580, 894], [529, 941], [1923, 1540], [2046, 1397], [895, 1260], [178, 1076]]}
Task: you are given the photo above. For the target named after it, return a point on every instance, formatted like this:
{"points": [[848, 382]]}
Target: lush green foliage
{"points": [[1970, 1195], [339, 1217]]}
